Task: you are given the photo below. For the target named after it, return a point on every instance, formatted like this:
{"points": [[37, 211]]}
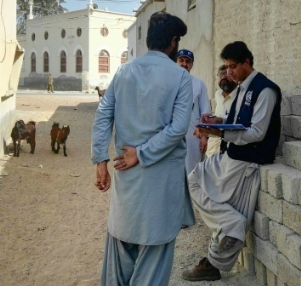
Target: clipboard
{"points": [[223, 126]]}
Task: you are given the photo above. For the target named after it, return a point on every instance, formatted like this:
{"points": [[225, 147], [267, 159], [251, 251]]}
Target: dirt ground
{"points": [[53, 219]]}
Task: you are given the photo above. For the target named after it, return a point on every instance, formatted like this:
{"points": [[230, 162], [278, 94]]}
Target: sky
{"points": [[121, 6]]}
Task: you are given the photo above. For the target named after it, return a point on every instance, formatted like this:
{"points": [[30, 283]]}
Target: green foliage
{"points": [[41, 8]]}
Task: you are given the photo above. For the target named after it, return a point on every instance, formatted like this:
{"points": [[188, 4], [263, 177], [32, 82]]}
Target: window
{"points": [[63, 61], [79, 61], [191, 4], [139, 33], [63, 33], [104, 62], [33, 62], [79, 32], [46, 62], [33, 36], [46, 35], [104, 31], [124, 57]]}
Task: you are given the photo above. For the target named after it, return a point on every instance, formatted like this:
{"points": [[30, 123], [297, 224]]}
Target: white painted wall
{"points": [[132, 44], [143, 15], [11, 56], [198, 39]]}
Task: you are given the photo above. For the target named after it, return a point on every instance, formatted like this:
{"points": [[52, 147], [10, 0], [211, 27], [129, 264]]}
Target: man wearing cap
{"points": [[223, 98], [196, 147]]}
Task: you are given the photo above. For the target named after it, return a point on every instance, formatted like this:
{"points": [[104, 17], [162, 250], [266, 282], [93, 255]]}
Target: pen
{"points": [[211, 116]]}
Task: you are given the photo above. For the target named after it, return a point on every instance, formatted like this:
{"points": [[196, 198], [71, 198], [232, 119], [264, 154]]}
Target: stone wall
{"points": [[273, 246], [271, 29]]}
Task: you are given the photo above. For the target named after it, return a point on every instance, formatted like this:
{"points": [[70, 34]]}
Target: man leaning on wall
{"points": [[224, 187]]}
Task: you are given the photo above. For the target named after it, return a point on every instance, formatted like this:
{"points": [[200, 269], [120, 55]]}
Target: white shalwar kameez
{"points": [[225, 190]]}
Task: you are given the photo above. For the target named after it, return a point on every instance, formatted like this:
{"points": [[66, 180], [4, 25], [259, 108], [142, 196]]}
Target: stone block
{"points": [[270, 206], [261, 274], [264, 178], [286, 106], [261, 225], [267, 253], [292, 217], [296, 126], [248, 260], [278, 236], [294, 250], [274, 182], [286, 125], [271, 278], [295, 104], [292, 154], [288, 273], [240, 259], [291, 185]]}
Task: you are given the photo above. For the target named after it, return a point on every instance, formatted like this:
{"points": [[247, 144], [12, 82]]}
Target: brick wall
{"points": [[271, 29]]}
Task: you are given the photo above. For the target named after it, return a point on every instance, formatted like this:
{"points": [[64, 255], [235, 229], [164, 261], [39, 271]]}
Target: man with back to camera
{"points": [[149, 102], [196, 147], [223, 98], [225, 186]]}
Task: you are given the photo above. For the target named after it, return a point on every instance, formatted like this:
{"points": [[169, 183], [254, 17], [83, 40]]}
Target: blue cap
{"points": [[185, 53]]}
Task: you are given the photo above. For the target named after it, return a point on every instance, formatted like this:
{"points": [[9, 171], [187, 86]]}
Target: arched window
{"points": [[63, 61], [104, 62], [124, 57], [46, 62], [33, 62], [79, 61]]}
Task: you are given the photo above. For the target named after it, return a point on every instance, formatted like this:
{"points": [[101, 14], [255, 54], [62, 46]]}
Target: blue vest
{"points": [[262, 152]]}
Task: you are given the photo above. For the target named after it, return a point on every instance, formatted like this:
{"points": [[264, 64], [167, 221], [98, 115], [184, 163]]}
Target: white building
{"points": [[82, 49], [11, 57]]}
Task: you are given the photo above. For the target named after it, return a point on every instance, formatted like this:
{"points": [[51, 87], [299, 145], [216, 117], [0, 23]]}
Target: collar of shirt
{"points": [[245, 84], [157, 53]]}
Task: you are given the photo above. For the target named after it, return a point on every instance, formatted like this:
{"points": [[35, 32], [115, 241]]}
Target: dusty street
{"points": [[53, 219]]}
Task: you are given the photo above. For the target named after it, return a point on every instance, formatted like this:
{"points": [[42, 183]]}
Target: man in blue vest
{"points": [[224, 187]]}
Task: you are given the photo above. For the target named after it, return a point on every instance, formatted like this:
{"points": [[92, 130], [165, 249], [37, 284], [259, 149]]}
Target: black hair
{"points": [[162, 28], [237, 51]]}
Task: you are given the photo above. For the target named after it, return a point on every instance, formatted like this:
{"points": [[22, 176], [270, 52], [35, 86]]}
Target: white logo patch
{"points": [[248, 98]]}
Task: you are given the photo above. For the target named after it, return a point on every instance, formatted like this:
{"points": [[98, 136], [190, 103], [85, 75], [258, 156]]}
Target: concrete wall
{"points": [[91, 42], [11, 57]]}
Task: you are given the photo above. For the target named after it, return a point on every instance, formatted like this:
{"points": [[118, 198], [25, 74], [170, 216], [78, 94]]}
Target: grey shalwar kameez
{"points": [[225, 190], [149, 101]]}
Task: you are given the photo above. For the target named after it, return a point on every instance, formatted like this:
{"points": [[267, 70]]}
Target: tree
{"points": [[40, 8]]}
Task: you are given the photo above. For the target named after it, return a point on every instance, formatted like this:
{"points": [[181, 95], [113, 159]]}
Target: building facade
{"points": [[11, 55], [82, 49]]}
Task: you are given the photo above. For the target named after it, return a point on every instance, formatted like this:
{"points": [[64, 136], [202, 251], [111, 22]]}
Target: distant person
{"points": [[224, 187], [149, 104], [50, 83], [196, 147], [223, 98]]}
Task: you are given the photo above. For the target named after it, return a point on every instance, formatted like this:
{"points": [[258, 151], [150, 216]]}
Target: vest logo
{"points": [[248, 98]]}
